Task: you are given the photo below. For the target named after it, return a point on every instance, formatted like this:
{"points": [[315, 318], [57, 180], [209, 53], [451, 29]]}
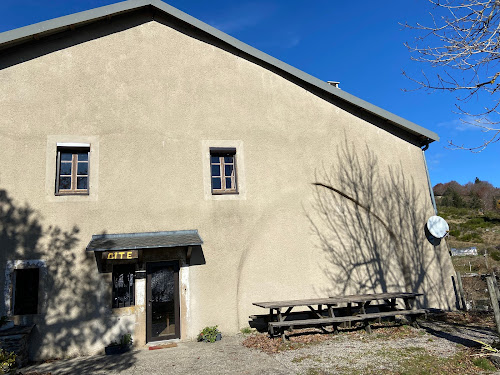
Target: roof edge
{"points": [[144, 234], [194, 240], [40, 28]]}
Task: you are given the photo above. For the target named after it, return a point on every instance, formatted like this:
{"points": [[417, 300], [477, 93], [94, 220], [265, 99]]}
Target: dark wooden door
{"points": [[162, 309]]}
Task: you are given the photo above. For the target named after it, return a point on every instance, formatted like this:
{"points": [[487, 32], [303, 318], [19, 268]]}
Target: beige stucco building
{"points": [[202, 168]]}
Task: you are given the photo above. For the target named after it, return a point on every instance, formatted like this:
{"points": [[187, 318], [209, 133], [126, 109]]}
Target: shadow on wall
{"points": [[71, 291], [369, 221]]}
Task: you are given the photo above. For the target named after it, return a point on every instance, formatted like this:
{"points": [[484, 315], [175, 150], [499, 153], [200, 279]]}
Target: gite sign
{"points": [[116, 255]]}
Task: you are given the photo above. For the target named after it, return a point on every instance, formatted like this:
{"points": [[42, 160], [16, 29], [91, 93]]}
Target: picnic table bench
{"points": [[278, 316]]}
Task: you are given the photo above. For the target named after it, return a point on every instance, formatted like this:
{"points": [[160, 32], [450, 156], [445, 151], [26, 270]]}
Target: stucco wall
{"points": [[150, 100]]}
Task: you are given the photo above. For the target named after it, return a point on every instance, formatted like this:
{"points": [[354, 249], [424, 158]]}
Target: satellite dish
{"points": [[438, 226], [435, 229]]}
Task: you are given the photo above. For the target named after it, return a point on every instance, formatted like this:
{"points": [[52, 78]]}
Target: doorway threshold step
{"points": [[164, 345]]}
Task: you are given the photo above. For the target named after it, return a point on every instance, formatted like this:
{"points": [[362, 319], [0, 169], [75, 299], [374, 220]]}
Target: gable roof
{"points": [[38, 30]]}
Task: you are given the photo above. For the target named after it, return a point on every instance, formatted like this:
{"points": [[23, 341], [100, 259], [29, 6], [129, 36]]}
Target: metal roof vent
{"points": [[334, 84]]}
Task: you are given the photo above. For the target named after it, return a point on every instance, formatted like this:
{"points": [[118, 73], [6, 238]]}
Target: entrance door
{"points": [[163, 301]]}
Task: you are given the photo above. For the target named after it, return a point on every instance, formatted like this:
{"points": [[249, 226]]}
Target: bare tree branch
{"points": [[463, 40]]}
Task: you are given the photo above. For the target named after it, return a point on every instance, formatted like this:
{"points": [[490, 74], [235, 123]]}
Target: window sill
{"points": [[86, 194], [24, 315], [121, 311], [225, 193]]}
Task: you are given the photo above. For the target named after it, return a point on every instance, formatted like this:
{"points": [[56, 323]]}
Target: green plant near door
{"points": [[7, 361], [122, 346], [209, 334]]}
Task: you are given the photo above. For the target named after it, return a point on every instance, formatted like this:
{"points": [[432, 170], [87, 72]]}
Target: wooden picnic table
{"points": [[390, 300], [278, 315]]}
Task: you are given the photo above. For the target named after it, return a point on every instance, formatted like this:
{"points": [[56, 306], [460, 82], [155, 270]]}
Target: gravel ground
{"points": [[386, 350], [351, 353], [347, 353], [227, 356]]}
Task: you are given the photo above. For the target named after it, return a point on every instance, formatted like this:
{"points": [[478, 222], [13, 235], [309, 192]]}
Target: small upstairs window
{"points": [[72, 170], [223, 170]]}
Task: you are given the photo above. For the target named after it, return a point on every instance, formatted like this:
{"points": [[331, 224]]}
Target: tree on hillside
{"points": [[485, 191], [475, 202], [439, 189], [455, 186], [463, 40], [452, 198]]}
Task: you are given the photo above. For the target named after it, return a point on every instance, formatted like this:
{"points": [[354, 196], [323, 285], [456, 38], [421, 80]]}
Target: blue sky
{"points": [[359, 43]]}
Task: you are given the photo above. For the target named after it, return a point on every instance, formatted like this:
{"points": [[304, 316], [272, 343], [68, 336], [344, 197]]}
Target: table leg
{"points": [[330, 311], [391, 305], [280, 319], [368, 328], [349, 312], [331, 314], [270, 329], [336, 329], [409, 302], [361, 307]]}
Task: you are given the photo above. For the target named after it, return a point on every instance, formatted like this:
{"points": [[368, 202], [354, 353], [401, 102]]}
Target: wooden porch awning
{"points": [[144, 240]]}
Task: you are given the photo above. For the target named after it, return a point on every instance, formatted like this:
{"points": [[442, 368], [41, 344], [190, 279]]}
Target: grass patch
{"points": [[417, 361], [484, 364], [302, 358], [423, 363], [246, 330], [453, 212], [315, 371], [469, 227], [391, 332], [396, 355], [413, 360], [471, 237]]}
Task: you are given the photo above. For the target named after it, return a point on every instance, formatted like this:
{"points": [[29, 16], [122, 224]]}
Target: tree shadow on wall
{"points": [[72, 293], [369, 221]]}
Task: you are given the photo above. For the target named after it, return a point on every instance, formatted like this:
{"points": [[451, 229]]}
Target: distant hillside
{"points": [[473, 214], [480, 195]]}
